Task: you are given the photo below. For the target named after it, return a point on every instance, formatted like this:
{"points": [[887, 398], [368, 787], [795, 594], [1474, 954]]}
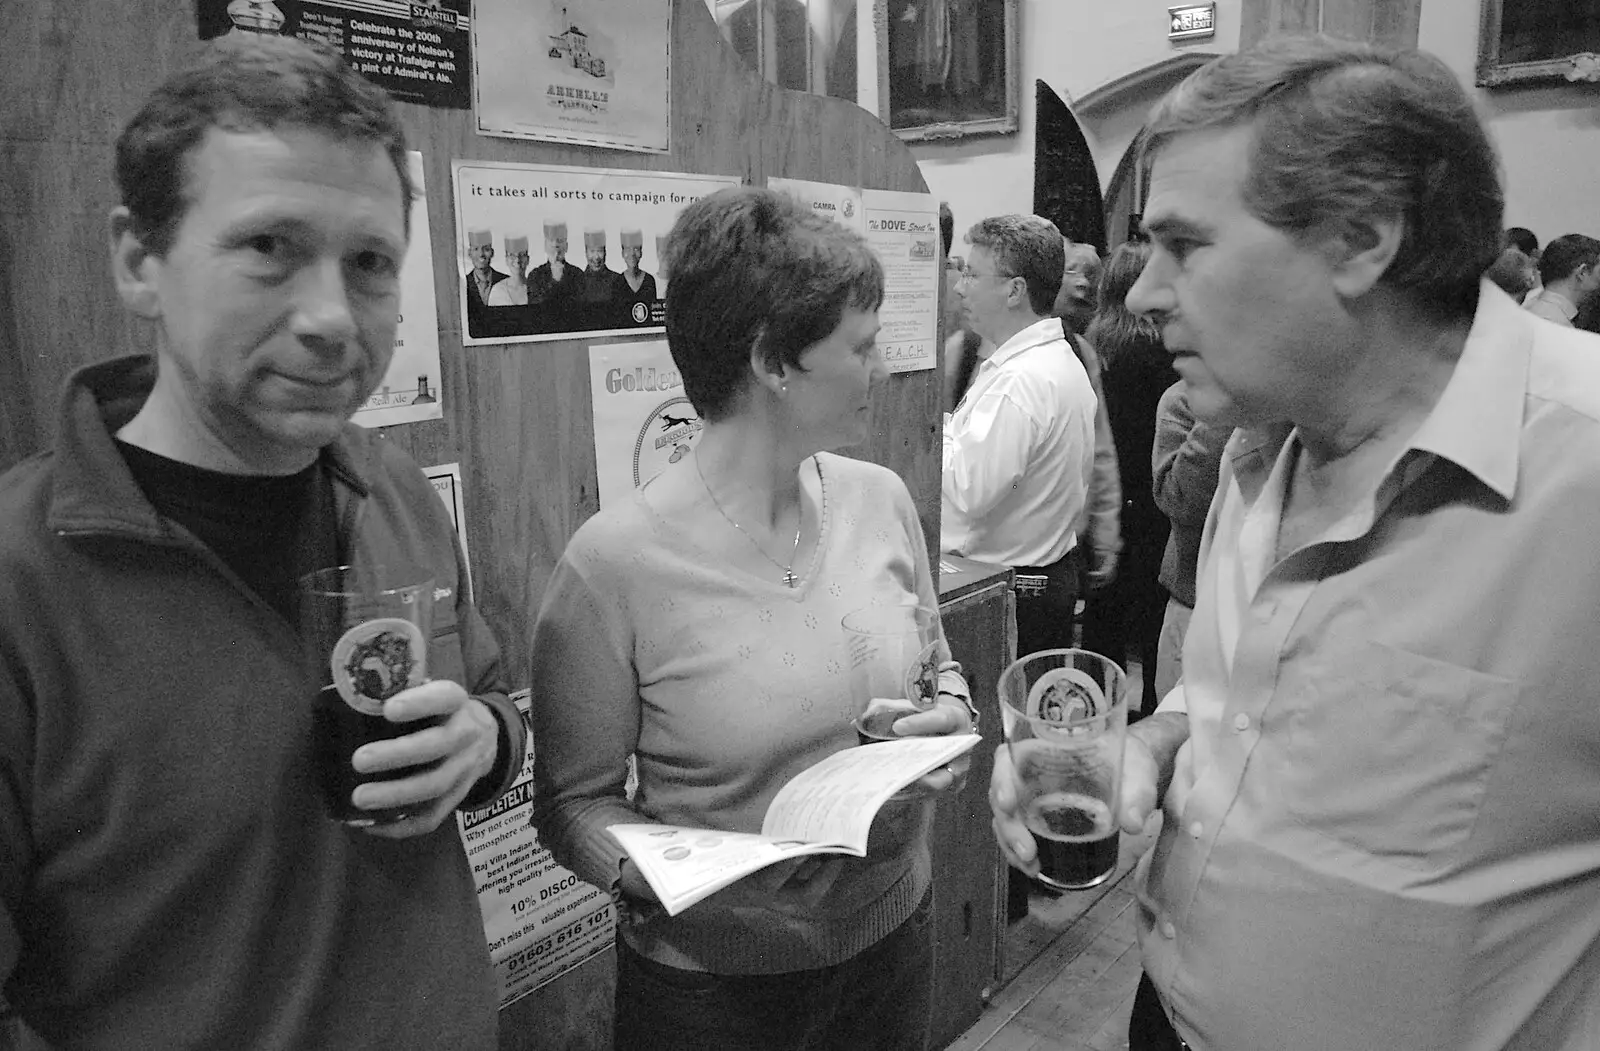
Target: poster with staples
{"points": [[642, 418], [416, 50], [540, 247], [409, 391], [446, 481], [541, 921], [584, 72], [903, 230]]}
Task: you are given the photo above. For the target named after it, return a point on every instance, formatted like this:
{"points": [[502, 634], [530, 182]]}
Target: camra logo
{"points": [[669, 432], [640, 313], [848, 209]]}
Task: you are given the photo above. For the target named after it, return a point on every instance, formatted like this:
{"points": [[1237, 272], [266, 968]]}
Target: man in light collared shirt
{"points": [[1570, 270], [1019, 446], [1379, 776]]}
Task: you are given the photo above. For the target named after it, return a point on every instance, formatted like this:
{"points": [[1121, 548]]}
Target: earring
{"points": [[783, 388]]}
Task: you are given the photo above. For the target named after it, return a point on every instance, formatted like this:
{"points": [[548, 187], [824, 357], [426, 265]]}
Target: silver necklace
{"points": [[789, 579]]}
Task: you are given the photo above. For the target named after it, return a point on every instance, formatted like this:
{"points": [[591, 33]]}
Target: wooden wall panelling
{"points": [[516, 417], [68, 82], [969, 874], [523, 431]]}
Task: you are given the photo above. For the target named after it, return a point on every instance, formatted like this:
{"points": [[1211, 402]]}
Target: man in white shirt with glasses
{"points": [[1019, 446]]}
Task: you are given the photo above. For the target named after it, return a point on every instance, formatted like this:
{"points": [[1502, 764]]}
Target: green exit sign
{"points": [[1191, 21]]}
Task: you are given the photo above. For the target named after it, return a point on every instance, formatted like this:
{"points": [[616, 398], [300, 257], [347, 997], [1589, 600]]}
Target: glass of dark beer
{"points": [[365, 632], [1066, 718], [894, 666]]}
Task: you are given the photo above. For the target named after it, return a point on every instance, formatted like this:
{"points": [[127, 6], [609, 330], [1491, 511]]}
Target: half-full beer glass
{"points": [[1066, 718]]}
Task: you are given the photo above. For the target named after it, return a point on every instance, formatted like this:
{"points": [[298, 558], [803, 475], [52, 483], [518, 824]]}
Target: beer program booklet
{"points": [[826, 808]]}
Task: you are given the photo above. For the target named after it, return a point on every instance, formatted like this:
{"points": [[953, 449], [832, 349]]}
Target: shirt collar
{"points": [[1568, 308], [1045, 330], [1477, 421], [93, 490]]}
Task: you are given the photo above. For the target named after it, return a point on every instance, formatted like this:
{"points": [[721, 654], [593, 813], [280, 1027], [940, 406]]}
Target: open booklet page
{"points": [[827, 808]]}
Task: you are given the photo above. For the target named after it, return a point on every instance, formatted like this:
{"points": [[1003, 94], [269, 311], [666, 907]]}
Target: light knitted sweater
{"points": [[724, 686]]}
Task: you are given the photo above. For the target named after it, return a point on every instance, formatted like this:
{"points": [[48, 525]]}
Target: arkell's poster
{"points": [[556, 253], [586, 72], [419, 51]]}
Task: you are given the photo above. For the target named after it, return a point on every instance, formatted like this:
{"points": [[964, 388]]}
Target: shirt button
{"points": [[1168, 931], [1197, 830], [1241, 722]]}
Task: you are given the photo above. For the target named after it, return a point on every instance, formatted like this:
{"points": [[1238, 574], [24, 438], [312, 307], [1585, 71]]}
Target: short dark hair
{"points": [[753, 268], [1342, 130], [244, 82], [1565, 254], [1028, 247], [1522, 238]]}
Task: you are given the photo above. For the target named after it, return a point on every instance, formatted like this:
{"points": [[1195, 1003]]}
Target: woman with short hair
{"points": [[696, 628]]}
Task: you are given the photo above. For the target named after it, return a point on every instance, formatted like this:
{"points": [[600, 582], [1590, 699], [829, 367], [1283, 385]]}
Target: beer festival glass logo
{"points": [[1064, 697], [377, 659], [922, 677]]}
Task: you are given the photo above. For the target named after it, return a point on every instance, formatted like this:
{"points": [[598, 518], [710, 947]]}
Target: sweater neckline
{"points": [[714, 557]]}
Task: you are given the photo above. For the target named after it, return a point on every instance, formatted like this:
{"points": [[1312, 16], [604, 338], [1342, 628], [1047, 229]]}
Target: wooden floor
{"points": [[1072, 965]]}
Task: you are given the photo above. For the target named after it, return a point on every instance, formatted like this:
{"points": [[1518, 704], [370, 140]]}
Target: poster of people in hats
{"points": [[555, 253], [586, 72]]}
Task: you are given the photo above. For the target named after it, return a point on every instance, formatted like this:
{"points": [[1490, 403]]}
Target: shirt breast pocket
{"points": [[1392, 754]]}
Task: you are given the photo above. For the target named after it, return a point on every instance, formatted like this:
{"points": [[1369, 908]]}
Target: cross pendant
{"points": [[789, 578]]}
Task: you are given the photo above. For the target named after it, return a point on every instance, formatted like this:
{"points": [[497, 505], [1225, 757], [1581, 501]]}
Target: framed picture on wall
{"points": [[1522, 41], [947, 68]]}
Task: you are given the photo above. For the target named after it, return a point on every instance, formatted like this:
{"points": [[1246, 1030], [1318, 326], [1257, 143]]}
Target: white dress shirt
{"points": [[1381, 832], [1018, 451], [1553, 306]]}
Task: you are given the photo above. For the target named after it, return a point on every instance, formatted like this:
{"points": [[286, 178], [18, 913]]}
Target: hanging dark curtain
{"points": [[1066, 187]]}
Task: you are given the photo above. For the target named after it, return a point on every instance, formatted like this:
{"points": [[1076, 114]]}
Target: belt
{"points": [[1034, 581]]}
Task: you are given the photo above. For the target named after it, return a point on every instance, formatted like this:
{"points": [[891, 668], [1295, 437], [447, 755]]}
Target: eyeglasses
{"points": [[968, 274]]}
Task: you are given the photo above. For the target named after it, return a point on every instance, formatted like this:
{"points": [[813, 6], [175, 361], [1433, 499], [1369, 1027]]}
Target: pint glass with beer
{"points": [[1066, 718], [365, 632]]}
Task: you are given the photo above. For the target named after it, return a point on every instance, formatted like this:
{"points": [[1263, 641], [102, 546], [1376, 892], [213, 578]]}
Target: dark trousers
{"points": [[1148, 1028], [881, 999], [1047, 599], [1126, 618]]}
